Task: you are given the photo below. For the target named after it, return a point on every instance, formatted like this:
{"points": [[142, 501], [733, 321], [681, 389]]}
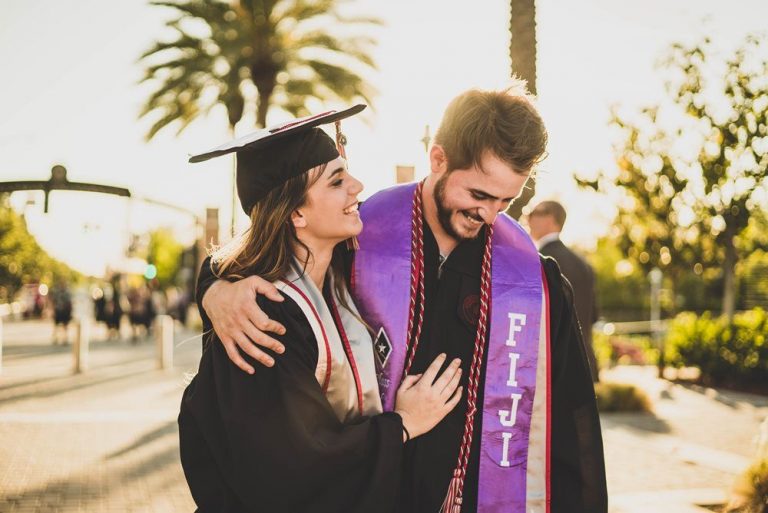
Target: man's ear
{"points": [[438, 160], [298, 219]]}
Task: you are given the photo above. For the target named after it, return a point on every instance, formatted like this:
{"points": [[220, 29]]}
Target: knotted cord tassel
{"points": [[452, 502], [341, 140]]}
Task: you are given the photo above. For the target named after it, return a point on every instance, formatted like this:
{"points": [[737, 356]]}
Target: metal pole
{"points": [[80, 347], [164, 341], [656, 278]]}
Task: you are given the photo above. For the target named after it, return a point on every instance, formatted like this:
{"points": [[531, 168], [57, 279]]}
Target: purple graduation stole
{"points": [[513, 479]]}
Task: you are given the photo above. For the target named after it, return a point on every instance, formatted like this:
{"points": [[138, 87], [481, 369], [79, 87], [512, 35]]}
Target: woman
{"points": [[307, 434]]}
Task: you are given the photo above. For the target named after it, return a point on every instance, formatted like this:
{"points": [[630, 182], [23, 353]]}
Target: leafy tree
{"points": [[684, 213], [253, 54], [655, 225], [223, 51], [621, 288], [22, 260], [164, 252], [733, 160]]}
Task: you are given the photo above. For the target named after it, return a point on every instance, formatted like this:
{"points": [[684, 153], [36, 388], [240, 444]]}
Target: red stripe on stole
{"points": [[348, 350], [548, 453], [327, 378]]}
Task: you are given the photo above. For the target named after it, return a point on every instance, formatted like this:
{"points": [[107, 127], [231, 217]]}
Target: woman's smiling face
{"points": [[330, 213]]}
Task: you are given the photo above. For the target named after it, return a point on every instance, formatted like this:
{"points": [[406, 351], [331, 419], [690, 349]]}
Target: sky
{"points": [[70, 96]]}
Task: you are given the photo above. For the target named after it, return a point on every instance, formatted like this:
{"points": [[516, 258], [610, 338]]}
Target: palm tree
{"points": [[250, 55], [522, 46], [522, 51]]}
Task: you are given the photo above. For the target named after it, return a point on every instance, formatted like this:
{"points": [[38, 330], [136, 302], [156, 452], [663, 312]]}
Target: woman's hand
{"points": [[239, 322], [422, 401]]}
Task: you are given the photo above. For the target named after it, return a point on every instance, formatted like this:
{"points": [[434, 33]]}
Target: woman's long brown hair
{"points": [[267, 248]]}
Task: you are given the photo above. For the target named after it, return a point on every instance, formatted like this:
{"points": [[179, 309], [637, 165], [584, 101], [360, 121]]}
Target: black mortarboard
{"points": [[267, 158]]}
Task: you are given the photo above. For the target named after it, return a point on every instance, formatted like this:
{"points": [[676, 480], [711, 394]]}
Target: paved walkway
{"points": [[106, 440], [101, 441], [684, 456]]}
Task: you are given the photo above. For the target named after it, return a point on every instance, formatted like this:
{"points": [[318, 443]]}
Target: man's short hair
{"points": [[503, 122], [551, 208]]}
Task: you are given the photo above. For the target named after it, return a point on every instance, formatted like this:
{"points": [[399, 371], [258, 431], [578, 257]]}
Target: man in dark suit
{"points": [[546, 222]]}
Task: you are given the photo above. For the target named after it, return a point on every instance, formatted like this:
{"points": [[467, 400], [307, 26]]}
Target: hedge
{"points": [[726, 353]]}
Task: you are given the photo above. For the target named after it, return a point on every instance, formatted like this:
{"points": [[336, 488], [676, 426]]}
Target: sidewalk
{"points": [[106, 440], [102, 441], [685, 455]]}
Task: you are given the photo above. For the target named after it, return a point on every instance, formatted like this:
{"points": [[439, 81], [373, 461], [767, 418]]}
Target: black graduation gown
{"points": [[577, 465], [270, 442]]}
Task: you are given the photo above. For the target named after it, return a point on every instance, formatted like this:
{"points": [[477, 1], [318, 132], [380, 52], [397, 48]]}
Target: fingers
{"points": [[264, 288], [256, 316], [447, 375], [450, 387], [432, 370], [454, 400], [231, 348], [254, 352], [260, 338]]}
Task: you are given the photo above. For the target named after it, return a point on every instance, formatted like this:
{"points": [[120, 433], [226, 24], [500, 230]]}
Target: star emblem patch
{"points": [[382, 347]]}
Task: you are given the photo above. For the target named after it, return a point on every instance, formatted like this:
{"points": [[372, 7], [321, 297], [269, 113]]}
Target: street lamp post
{"points": [[655, 277], [59, 181]]}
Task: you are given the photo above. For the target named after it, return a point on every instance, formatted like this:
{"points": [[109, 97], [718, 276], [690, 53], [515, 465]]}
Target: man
{"points": [[433, 258], [545, 222]]}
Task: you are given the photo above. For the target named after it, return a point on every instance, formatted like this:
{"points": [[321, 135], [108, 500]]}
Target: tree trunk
{"points": [[522, 47], [515, 209], [729, 275], [263, 107], [522, 52]]}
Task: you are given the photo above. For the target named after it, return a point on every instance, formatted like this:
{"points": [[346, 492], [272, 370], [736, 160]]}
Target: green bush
{"points": [[619, 397], [601, 344], [726, 353]]}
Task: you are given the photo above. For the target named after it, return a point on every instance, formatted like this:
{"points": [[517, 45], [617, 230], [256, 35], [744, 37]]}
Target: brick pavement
{"points": [[102, 441], [686, 454], [106, 440]]}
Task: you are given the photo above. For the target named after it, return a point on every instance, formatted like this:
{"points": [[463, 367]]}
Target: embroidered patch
{"points": [[470, 310], [382, 347]]}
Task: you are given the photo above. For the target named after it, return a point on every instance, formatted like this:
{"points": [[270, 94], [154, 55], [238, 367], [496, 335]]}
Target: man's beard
{"points": [[444, 213]]}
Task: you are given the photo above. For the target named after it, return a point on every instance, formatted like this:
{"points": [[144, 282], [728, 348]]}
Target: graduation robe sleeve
{"points": [[270, 442], [577, 462]]}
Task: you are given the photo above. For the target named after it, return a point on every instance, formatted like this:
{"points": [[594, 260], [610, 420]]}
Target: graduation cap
{"points": [[268, 158]]}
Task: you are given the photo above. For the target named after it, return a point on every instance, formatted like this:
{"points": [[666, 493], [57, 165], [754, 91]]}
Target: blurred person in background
{"points": [[142, 311], [113, 307], [545, 223], [61, 298]]}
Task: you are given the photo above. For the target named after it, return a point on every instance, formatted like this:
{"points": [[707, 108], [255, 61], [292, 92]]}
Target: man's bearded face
{"points": [[466, 199]]}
